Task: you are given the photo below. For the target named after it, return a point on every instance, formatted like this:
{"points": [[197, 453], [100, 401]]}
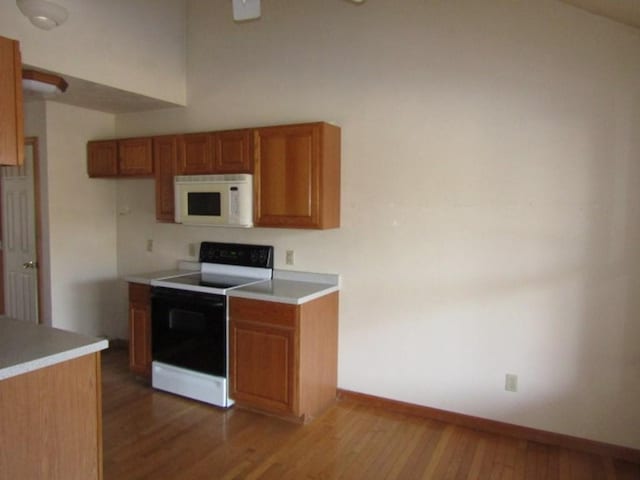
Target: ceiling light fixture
{"points": [[43, 83], [246, 10], [42, 13]]}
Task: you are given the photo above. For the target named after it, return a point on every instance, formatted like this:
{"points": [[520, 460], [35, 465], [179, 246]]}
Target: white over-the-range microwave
{"points": [[214, 200]]}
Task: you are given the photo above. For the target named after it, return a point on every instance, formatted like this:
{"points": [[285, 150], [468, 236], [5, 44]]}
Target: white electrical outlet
{"points": [[149, 245], [193, 249], [511, 382], [290, 257]]}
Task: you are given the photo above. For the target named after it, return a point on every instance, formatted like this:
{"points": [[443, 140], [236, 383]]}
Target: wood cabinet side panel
{"points": [[140, 329], [11, 113], [318, 354], [330, 178], [165, 158], [50, 423]]}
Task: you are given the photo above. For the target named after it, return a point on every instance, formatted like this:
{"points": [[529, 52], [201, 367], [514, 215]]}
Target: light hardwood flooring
{"points": [[154, 435]]}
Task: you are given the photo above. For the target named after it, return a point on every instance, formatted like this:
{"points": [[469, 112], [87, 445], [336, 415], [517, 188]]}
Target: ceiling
{"points": [[94, 96], [624, 11]]}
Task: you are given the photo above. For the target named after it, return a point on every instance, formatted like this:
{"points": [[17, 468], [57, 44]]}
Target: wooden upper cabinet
{"points": [[165, 155], [232, 151], [116, 158], [195, 154], [135, 156], [11, 113], [297, 176], [102, 158], [215, 153]]}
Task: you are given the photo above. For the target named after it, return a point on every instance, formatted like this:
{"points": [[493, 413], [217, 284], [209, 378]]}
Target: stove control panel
{"points": [[240, 254]]}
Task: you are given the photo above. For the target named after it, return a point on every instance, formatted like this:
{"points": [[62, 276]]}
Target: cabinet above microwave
{"points": [[296, 170]]}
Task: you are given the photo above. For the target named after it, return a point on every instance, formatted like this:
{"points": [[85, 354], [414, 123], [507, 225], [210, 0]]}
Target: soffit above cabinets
{"points": [[94, 96], [624, 11]]}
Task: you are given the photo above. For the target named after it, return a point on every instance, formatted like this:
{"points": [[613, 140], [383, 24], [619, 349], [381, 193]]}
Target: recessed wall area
{"points": [[490, 209]]}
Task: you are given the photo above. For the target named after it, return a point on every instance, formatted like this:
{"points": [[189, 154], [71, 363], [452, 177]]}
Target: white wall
{"points": [[35, 125], [490, 215], [82, 225], [137, 46]]}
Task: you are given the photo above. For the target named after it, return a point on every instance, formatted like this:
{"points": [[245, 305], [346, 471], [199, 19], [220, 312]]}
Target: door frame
{"points": [[33, 142]]}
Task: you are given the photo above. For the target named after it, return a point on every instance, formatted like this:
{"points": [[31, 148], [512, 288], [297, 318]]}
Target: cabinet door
{"points": [[262, 366], [263, 355], [165, 155], [195, 154], [140, 329], [297, 176], [102, 158], [135, 157], [11, 114], [232, 151]]}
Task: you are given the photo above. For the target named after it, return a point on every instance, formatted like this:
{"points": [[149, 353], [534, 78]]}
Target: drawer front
{"points": [[258, 311]]}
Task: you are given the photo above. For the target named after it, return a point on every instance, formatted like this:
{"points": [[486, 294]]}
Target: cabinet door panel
{"points": [[102, 158], [195, 154], [287, 187], [263, 366], [297, 176], [135, 156], [233, 151]]}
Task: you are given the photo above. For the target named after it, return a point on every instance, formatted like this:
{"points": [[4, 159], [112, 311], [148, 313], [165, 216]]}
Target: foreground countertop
{"points": [[25, 347]]}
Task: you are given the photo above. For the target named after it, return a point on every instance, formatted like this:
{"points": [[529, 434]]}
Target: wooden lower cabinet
{"points": [[283, 358], [51, 422], [140, 329]]}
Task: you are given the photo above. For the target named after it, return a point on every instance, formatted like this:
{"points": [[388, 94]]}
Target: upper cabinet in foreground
{"points": [[11, 114]]}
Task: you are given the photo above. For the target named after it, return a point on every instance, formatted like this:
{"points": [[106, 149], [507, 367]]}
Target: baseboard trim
{"points": [[494, 426]]}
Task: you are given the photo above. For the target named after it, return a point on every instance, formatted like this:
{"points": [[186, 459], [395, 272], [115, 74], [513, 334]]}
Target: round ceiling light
{"points": [[42, 13]]}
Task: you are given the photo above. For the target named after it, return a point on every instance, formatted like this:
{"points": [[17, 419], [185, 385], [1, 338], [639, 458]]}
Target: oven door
{"points": [[189, 330]]}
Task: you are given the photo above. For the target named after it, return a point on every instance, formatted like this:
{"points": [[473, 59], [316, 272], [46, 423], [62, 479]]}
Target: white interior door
{"points": [[19, 240]]}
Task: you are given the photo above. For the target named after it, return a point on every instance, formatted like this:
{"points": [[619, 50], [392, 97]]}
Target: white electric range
{"points": [[189, 320]]}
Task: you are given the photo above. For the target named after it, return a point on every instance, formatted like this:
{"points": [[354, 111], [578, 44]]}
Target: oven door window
{"points": [[190, 334], [206, 204]]}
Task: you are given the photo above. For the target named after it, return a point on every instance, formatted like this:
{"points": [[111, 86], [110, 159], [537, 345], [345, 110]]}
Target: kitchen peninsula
{"points": [[50, 403]]}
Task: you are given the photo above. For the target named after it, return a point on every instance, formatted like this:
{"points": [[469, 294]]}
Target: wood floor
{"points": [[154, 435]]}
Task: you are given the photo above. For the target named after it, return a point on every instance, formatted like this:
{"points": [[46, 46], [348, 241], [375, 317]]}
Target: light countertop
{"points": [[290, 287], [25, 347], [286, 286], [159, 275]]}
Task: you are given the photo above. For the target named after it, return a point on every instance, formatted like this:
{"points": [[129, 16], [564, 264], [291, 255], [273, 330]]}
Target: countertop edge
{"points": [[49, 360], [267, 297]]}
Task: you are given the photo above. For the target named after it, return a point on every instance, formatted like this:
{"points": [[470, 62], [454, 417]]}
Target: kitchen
{"points": [[487, 217]]}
